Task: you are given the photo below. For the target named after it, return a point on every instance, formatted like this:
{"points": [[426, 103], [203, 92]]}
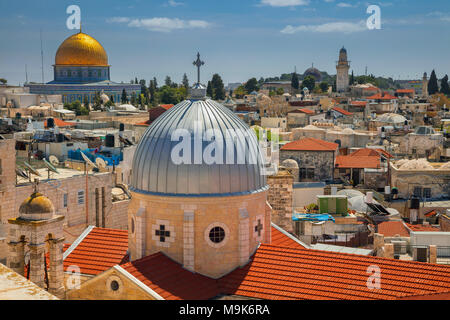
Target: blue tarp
{"points": [[76, 155], [316, 217]]}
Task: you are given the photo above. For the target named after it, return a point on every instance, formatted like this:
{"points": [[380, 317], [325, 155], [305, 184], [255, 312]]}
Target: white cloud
{"points": [[284, 3], [339, 27], [161, 24], [118, 20], [347, 5], [173, 3]]}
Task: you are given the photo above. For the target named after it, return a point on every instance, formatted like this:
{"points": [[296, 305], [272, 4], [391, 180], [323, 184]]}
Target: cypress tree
{"points": [[433, 87], [445, 89]]}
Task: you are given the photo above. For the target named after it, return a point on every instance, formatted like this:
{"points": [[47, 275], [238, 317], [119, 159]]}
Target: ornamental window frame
{"points": [[210, 227]]}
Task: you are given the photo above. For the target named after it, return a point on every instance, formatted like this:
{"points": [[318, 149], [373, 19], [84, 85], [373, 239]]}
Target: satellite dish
{"points": [[50, 167], [53, 160], [31, 169], [87, 160], [100, 162]]}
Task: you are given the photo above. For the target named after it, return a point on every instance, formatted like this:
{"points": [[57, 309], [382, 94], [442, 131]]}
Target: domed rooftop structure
{"points": [[313, 72], [290, 163], [36, 207], [81, 49], [158, 170]]}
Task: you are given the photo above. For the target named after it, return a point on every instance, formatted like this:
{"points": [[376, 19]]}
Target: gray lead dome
{"points": [[154, 171]]}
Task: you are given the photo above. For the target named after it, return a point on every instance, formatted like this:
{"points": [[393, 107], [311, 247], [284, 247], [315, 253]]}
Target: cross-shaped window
{"points": [[259, 227], [162, 233]]}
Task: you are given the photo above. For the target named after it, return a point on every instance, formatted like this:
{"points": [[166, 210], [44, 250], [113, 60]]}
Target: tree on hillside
{"points": [[3, 81], [124, 98], [218, 87], [309, 82], [185, 81], [294, 81], [168, 81], [133, 99], [433, 87], [209, 90], [240, 92], [445, 89], [324, 86], [251, 85]]}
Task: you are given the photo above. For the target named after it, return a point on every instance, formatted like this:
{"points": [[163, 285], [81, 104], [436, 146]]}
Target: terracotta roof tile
{"points": [[306, 110], [382, 96], [100, 250], [288, 273], [421, 227], [393, 228], [358, 162], [359, 103], [310, 144], [170, 280], [280, 239], [342, 111]]}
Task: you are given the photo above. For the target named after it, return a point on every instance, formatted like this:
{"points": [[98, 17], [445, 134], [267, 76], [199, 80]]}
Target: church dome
{"points": [[156, 173], [36, 207], [81, 49]]}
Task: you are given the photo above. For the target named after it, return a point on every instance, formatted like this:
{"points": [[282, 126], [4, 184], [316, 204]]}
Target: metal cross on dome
{"points": [[198, 63]]}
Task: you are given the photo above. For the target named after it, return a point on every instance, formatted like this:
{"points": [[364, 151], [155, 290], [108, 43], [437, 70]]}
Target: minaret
{"points": [[342, 68], [425, 85]]}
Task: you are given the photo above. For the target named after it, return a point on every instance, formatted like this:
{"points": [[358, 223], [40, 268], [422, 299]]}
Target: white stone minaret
{"points": [[342, 67]]}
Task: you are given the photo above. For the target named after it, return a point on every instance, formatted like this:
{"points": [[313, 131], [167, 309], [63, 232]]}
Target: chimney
{"points": [[389, 250], [433, 253]]}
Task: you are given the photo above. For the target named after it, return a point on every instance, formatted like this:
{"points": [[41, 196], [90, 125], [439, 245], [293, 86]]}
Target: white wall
{"points": [[304, 196]]}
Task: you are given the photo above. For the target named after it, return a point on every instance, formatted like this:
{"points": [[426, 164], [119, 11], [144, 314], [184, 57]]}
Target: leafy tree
{"points": [[152, 92], [251, 85], [135, 80], [109, 103], [97, 101], [433, 84], [3, 81], [279, 91], [124, 98], [77, 108], [240, 92], [352, 79], [155, 83], [209, 90], [133, 99], [168, 81], [86, 101], [272, 93], [309, 82], [185, 81], [218, 87], [445, 89], [111, 98], [169, 95], [260, 82], [294, 81], [323, 86]]}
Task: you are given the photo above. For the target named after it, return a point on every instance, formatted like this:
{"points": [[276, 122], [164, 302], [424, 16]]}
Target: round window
{"points": [[114, 285], [217, 234]]}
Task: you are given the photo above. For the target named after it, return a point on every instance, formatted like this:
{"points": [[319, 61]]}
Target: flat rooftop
{"points": [[63, 173], [13, 286]]}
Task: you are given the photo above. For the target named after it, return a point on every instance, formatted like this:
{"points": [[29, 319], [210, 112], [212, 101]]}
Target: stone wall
{"points": [[321, 161], [444, 222], [280, 197]]}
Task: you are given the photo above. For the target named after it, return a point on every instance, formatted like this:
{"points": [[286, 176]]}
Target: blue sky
{"points": [[238, 39]]}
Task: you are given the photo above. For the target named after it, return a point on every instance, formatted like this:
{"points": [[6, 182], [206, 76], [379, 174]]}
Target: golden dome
{"points": [[36, 204], [81, 50]]}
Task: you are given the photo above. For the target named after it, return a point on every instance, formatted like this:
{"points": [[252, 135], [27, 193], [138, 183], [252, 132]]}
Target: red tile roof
{"points": [[306, 110], [344, 112], [166, 106], [359, 103], [310, 144], [405, 91], [370, 152], [281, 239], [286, 273], [60, 123], [170, 280], [421, 227], [393, 228], [358, 162], [99, 250], [382, 96]]}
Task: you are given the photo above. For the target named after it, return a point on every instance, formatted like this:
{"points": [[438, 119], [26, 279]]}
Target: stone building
{"points": [[315, 158], [280, 198], [34, 234], [66, 190]]}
